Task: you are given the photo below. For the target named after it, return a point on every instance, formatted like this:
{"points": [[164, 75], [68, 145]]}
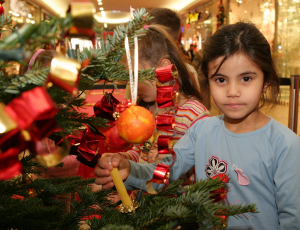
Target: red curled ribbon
{"points": [[165, 144], [105, 107], [88, 148], [220, 194], [165, 122], [161, 174], [164, 96], [165, 73]]}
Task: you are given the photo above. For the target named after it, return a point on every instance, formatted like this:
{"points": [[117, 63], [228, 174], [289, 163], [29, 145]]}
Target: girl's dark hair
{"points": [[242, 38], [157, 45], [44, 58]]}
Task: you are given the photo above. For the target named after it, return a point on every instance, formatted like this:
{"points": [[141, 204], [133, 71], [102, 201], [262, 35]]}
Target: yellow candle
{"points": [[126, 201]]}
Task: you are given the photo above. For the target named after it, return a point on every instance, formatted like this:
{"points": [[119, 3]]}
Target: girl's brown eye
{"points": [[246, 79], [220, 80]]}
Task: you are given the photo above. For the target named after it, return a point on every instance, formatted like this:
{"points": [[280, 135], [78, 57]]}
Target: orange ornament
{"points": [[136, 124]]}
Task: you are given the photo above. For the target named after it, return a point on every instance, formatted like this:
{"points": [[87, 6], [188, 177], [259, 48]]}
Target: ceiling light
{"points": [[105, 25], [29, 15], [101, 8], [106, 17], [99, 3], [103, 15]]}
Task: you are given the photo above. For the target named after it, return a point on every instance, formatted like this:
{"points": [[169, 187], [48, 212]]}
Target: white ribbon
{"points": [[133, 80]]}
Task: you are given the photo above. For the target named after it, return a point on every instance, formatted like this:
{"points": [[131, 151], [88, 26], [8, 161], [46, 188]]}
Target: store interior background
{"points": [[278, 20]]}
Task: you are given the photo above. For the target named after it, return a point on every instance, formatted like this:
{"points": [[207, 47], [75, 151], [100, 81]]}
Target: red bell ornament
{"points": [[136, 124]]}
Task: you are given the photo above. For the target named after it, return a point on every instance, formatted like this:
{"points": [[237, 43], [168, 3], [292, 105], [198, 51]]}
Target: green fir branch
{"points": [[33, 35], [5, 22]]}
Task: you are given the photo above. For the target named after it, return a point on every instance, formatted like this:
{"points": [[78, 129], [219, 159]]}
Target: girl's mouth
{"points": [[234, 105]]}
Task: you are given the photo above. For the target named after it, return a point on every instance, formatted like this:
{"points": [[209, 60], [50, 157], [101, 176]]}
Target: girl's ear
{"points": [[165, 62], [265, 87]]}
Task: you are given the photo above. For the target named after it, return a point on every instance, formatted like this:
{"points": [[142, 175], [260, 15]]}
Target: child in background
{"points": [[172, 22], [260, 155], [157, 49]]}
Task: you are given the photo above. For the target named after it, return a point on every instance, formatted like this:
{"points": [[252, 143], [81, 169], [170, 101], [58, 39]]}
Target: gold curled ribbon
{"points": [[54, 159]]}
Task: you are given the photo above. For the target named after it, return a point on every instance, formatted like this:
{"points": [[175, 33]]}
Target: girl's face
{"points": [[237, 87], [147, 91]]}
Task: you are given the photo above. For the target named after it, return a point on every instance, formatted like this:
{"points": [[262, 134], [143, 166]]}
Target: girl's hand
{"points": [[105, 165]]}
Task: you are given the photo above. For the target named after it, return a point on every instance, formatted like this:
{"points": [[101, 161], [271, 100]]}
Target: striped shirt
{"points": [[187, 114]]}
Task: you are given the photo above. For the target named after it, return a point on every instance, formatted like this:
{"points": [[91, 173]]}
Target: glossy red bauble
{"points": [[114, 140]]}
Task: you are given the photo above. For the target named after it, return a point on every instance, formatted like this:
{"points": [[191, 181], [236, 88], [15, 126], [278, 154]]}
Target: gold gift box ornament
{"points": [[6, 122], [82, 18], [64, 72]]}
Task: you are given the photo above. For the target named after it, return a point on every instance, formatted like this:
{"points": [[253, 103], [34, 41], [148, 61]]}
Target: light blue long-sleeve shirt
{"points": [[264, 167]]}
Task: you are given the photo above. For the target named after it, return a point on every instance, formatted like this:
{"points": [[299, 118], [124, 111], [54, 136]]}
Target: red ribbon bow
{"points": [[33, 111], [88, 148], [220, 194], [124, 104], [105, 107]]}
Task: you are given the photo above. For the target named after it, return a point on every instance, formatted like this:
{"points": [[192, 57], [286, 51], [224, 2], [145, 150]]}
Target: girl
{"points": [[157, 49], [260, 155]]}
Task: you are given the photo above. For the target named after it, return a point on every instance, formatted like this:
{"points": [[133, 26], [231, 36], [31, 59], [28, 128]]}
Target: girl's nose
{"points": [[233, 90]]}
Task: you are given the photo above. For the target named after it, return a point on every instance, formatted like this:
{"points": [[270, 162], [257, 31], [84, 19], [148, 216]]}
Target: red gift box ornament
{"points": [[82, 13], [34, 111], [64, 72]]}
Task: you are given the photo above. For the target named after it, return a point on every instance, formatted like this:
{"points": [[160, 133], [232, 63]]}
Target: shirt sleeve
{"points": [[132, 154], [141, 173], [287, 182]]}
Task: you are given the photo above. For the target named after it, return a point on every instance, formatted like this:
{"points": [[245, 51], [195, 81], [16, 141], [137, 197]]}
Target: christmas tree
{"points": [[36, 204]]}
